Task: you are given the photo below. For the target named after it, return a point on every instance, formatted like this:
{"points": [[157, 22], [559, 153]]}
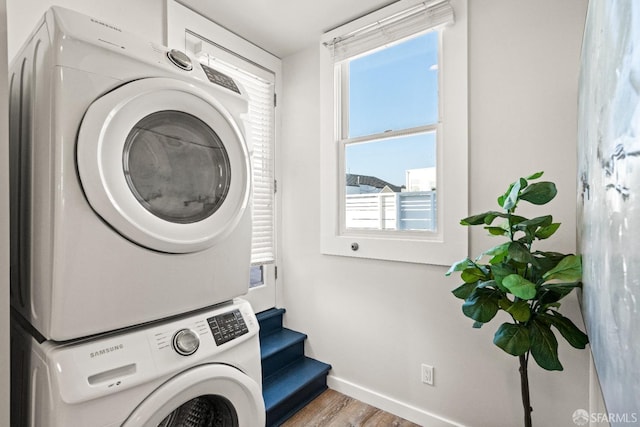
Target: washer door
{"points": [[165, 164], [207, 395]]}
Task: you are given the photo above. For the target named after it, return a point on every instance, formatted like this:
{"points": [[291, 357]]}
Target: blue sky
{"points": [[389, 159], [392, 89]]}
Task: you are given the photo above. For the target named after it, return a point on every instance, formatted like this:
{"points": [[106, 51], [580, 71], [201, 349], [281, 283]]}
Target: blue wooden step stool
{"points": [[290, 379]]}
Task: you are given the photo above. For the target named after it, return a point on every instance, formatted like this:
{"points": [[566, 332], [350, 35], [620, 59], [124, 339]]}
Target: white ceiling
{"points": [[282, 27]]}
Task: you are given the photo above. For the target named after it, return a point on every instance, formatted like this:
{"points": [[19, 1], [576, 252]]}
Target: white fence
{"points": [[415, 210]]}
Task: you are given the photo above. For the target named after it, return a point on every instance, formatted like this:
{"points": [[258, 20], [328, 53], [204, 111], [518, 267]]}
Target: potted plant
{"points": [[527, 284]]}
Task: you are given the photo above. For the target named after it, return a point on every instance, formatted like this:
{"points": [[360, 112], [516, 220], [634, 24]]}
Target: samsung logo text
{"points": [[106, 350]]}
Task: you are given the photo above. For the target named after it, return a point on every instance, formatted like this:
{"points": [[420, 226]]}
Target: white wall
{"points": [[376, 322], [145, 18]]}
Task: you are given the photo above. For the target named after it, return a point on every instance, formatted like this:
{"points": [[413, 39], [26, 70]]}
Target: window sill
{"points": [[434, 251]]}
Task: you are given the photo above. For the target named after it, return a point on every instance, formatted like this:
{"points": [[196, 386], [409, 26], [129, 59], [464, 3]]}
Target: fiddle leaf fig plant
{"points": [[525, 283]]}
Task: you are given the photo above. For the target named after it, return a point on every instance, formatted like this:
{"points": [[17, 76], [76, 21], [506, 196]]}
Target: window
{"points": [[389, 136], [394, 139]]}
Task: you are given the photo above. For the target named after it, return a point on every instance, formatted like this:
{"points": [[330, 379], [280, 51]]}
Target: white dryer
{"points": [[204, 368], [130, 181]]}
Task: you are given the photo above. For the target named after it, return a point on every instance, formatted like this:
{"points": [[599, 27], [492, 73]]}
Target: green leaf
{"points": [[496, 231], [546, 261], [544, 346], [555, 305], [463, 291], [510, 198], [555, 257], [472, 275], [503, 247], [488, 284], [561, 288], [483, 218], [530, 226], [505, 303], [534, 222], [497, 252], [519, 286], [539, 193], [569, 269], [520, 311], [516, 219], [477, 325], [535, 175], [549, 294], [459, 266], [546, 298], [482, 305], [548, 231], [512, 338], [500, 271], [574, 336], [498, 258], [519, 252]]}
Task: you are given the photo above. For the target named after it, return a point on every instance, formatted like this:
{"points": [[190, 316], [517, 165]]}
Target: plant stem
{"points": [[524, 383], [509, 225]]}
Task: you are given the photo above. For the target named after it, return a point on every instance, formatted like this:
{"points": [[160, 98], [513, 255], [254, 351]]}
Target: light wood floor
{"points": [[333, 409]]}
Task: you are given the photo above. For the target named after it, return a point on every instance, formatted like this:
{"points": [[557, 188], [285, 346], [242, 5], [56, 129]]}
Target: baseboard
{"points": [[388, 404]]}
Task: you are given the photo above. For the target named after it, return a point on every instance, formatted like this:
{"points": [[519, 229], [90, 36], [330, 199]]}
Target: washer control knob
{"points": [[180, 59], [186, 342]]}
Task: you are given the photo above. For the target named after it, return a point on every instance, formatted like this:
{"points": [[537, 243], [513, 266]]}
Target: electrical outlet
{"points": [[427, 374]]}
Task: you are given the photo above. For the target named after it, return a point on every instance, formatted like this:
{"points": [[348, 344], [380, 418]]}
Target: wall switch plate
{"points": [[427, 374]]}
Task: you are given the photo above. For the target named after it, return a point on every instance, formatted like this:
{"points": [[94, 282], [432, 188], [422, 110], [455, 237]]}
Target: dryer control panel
{"points": [[219, 78], [227, 326]]}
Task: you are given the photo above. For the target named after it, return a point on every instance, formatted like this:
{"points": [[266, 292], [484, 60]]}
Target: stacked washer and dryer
{"points": [[130, 235]]}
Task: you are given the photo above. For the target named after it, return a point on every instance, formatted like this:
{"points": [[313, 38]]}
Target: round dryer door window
{"points": [[165, 164], [176, 166]]}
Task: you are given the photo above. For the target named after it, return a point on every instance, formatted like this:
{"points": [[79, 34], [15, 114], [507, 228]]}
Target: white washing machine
{"points": [[130, 184], [196, 371]]}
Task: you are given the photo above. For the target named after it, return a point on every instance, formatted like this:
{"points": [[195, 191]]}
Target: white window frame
{"points": [[449, 242]]}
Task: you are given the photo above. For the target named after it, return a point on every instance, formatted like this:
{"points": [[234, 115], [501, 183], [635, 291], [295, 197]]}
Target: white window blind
{"points": [[428, 15], [262, 119]]}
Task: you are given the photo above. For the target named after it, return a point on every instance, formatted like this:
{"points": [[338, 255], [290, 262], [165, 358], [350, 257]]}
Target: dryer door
{"points": [[206, 395], [165, 164]]}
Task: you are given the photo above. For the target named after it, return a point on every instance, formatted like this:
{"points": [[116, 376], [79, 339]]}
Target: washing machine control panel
{"points": [[94, 367], [227, 326]]}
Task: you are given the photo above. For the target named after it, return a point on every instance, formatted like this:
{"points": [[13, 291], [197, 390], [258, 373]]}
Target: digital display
{"points": [[220, 79]]}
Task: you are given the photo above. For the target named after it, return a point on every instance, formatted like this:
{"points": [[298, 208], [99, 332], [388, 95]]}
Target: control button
{"points": [[186, 342], [180, 59]]}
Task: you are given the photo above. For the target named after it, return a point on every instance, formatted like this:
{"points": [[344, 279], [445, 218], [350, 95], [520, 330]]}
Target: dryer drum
{"points": [[176, 166], [203, 411]]}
